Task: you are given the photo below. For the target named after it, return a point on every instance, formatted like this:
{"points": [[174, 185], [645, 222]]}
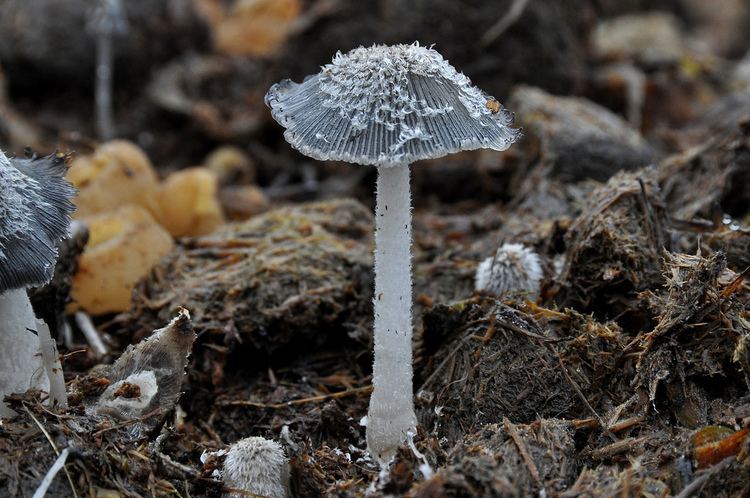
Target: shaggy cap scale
{"points": [[35, 211], [387, 105]]}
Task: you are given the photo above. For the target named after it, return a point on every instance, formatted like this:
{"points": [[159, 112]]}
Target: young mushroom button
{"points": [[389, 106]]}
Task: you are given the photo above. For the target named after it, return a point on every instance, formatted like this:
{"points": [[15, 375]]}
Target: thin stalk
{"points": [[105, 123], [391, 413]]}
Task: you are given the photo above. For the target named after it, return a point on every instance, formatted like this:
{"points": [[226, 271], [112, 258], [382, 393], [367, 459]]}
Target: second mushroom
{"points": [[389, 106]]}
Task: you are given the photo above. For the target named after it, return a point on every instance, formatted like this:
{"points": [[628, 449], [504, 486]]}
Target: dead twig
{"points": [[617, 448], [626, 424], [516, 328], [343, 394], [582, 396], [735, 284], [54, 448], [697, 484], [513, 433]]}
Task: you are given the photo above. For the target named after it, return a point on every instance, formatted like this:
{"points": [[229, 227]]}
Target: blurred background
{"points": [[159, 103], [188, 76]]}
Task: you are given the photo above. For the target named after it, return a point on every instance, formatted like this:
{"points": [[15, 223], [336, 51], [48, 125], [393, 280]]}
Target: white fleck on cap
{"points": [[387, 105], [35, 210]]}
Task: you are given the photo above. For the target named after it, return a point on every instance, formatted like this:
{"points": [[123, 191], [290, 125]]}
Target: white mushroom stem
{"points": [[391, 413], [105, 127], [28, 356]]}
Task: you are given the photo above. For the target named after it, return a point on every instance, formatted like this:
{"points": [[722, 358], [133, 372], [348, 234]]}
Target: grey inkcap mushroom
{"points": [[387, 105], [35, 211]]}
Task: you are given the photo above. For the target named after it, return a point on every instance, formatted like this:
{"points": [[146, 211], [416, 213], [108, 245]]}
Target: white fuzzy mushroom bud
{"points": [[256, 466], [514, 269]]}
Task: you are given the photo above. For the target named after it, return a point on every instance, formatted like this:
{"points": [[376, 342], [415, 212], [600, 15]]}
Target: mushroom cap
{"points": [[35, 210], [386, 105]]}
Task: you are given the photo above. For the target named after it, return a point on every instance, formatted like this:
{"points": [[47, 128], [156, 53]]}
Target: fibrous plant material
{"points": [[701, 334], [610, 480], [612, 252], [716, 157], [35, 213], [389, 106], [270, 283], [511, 460], [256, 466], [495, 362], [515, 269]]}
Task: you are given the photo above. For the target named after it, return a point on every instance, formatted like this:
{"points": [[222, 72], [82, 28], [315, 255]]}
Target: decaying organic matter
{"points": [[493, 356], [701, 334], [271, 282], [501, 459], [615, 245]]}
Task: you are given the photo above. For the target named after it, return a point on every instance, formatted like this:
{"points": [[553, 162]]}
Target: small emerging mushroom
{"points": [[256, 466], [389, 106], [35, 211], [515, 269]]}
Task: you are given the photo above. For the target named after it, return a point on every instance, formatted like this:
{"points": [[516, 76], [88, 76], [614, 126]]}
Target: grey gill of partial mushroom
{"points": [[389, 106], [514, 269], [146, 380], [255, 466], [35, 210]]}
